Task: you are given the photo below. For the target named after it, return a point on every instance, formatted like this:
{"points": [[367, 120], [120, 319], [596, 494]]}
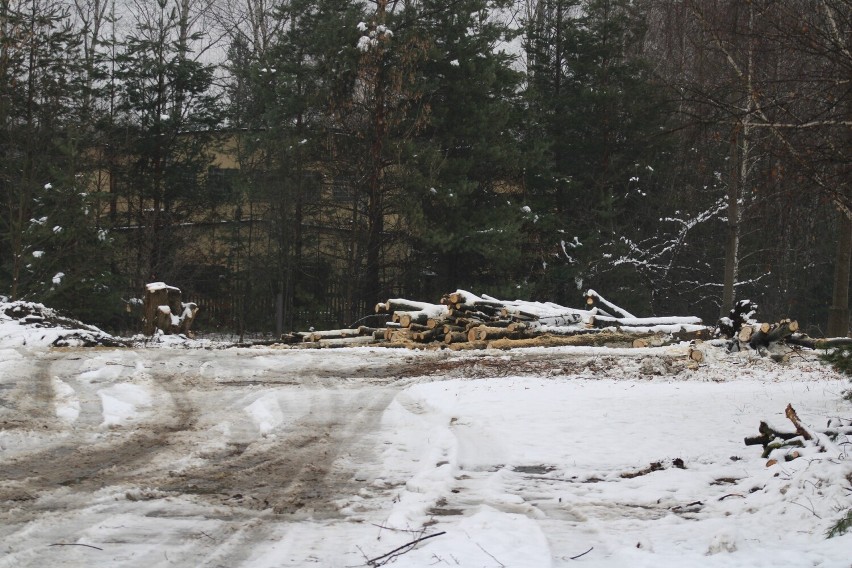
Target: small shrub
{"points": [[841, 526], [840, 359]]}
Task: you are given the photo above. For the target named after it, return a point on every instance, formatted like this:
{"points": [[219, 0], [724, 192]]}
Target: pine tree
{"points": [[52, 247], [67, 265], [283, 98], [167, 113], [465, 223], [590, 96]]}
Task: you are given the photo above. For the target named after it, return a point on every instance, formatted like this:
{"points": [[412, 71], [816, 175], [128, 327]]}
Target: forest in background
{"points": [[676, 155]]}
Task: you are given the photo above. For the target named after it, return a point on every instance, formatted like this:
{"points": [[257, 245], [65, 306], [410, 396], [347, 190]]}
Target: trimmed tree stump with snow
{"points": [[164, 310]]}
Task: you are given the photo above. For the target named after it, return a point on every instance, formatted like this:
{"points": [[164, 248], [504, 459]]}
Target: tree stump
{"points": [[165, 311]]}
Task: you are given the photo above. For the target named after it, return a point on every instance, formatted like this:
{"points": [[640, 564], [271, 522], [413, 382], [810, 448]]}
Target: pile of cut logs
{"points": [[743, 332], [463, 319]]}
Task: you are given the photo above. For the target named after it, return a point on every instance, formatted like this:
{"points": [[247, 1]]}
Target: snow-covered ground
{"points": [[265, 457]]}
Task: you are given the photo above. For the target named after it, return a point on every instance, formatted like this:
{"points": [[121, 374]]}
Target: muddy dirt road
{"points": [[237, 434]]}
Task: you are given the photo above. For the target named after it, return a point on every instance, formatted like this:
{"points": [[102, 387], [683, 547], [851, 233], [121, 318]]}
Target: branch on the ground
{"points": [[74, 544], [591, 548], [407, 547], [803, 440]]}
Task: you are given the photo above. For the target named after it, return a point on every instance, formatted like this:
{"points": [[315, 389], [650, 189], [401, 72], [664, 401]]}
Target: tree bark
{"points": [[838, 316]]}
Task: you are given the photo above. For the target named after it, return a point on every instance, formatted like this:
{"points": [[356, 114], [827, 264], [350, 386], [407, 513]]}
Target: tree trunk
{"points": [[838, 315], [739, 180], [732, 245]]}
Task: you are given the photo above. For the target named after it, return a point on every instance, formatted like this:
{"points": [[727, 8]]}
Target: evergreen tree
{"points": [[166, 112], [51, 250], [67, 262], [283, 100], [465, 219], [590, 96]]}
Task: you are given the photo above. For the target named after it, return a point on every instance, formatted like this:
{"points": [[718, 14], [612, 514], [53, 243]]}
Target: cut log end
{"points": [[696, 355]]}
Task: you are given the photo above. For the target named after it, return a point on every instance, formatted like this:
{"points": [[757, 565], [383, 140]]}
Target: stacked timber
{"points": [[349, 337], [465, 320]]}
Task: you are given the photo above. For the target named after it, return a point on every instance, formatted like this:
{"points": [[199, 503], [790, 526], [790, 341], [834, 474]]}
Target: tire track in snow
{"points": [[303, 469], [29, 404], [91, 458]]}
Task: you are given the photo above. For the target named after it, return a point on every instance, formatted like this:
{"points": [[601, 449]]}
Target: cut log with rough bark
{"points": [[646, 322], [485, 333], [341, 333], [477, 307], [427, 335], [782, 330], [291, 338], [355, 341], [518, 314], [403, 305], [467, 315], [603, 338], [656, 340], [684, 335], [765, 334], [568, 330], [562, 320], [450, 328], [754, 333], [497, 323], [406, 319], [399, 335], [593, 299], [696, 354], [457, 297], [455, 337], [812, 343]]}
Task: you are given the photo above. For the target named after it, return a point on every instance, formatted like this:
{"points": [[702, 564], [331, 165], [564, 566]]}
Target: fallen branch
{"points": [[397, 551], [591, 548], [491, 555], [655, 466], [791, 415], [74, 544], [803, 438]]}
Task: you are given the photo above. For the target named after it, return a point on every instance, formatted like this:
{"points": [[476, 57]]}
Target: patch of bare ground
{"points": [[492, 366]]}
